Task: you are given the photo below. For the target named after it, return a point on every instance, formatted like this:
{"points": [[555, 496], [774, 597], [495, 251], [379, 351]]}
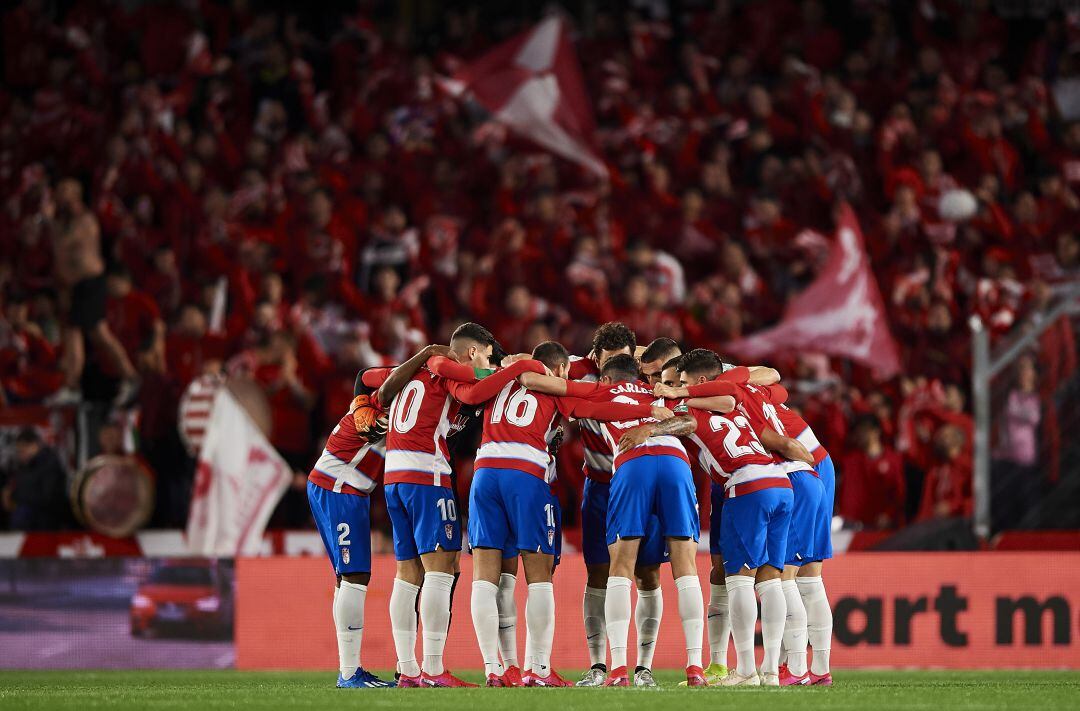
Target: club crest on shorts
{"points": [[551, 536], [345, 555], [449, 531]]}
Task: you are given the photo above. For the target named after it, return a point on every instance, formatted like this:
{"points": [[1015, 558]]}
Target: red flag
{"points": [[840, 314], [532, 83]]}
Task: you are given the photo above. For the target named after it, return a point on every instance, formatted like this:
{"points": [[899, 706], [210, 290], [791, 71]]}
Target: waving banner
{"points": [[840, 314], [532, 83], [239, 480]]}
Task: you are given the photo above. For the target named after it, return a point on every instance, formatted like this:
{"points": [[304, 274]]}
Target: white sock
{"points": [[692, 614], [819, 621], [530, 646], [508, 620], [617, 614], [794, 629], [349, 619], [647, 615], [540, 624], [743, 609], [595, 625], [773, 616], [435, 617], [719, 624], [485, 617], [403, 624]]}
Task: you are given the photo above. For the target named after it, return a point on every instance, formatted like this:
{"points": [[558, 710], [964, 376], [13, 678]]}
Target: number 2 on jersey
{"points": [[733, 430]]}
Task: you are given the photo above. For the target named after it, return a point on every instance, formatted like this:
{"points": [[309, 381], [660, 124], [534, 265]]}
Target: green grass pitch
{"points": [[934, 691]]}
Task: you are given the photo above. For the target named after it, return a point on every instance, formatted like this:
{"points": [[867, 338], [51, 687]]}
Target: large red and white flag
{"points": [[532, 83], [840, 314], [239, 480]]}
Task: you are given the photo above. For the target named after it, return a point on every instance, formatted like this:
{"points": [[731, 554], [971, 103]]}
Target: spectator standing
{"points": [[1016, 474], [35, 493], [872, 487]]}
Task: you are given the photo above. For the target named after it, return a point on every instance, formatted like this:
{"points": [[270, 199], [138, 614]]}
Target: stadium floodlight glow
{"points": [[208, 604]]}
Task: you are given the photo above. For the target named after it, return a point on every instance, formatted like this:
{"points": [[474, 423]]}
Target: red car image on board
{"points": [[185, 598]]}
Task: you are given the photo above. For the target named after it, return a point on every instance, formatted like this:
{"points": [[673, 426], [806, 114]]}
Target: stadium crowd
{"points": [[292, 195]]}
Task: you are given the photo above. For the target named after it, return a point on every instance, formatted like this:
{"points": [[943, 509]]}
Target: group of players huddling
{"points": [[646, 416]]}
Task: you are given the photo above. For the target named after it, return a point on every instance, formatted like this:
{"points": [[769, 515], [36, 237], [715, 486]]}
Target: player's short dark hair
{"points": [[474, 332], [551, 354], [662, 348], [672, 363], [620, 368], [359, 388], [701, 361], [612, 336]]}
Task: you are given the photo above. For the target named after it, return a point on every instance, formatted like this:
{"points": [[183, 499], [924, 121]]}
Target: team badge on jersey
{"points": [[345, 555], [551, 536], [449, 530]]}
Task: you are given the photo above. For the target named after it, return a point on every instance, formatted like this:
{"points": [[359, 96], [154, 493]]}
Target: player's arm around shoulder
{"points": [[763, 375], [676, 425], [483, 390], [718, 403], [402, 374], [552, 385], [786, 447]]}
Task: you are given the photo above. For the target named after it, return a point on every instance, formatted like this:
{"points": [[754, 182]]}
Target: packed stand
{"points": [[291, 196]]}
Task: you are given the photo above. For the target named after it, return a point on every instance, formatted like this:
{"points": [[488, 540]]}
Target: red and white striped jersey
{"points": [[728, 449], [349, 464], [762, 413], [420, 418], [790, 423], [422, 414], [632, 393], [599, 460], [519, 425], [758, 406]]}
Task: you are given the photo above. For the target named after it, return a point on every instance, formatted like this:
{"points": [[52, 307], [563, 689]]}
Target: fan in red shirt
{"points": [[135, 319], [947, 488], [29, 366], [873, 490]]}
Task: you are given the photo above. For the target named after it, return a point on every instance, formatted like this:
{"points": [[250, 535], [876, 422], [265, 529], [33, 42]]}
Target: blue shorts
{"points": [[511, 510], [754, 531], [594, 546], [716, 516], [823, 544], [803, 531], [344, 523], [653, 485], [424, 519]]}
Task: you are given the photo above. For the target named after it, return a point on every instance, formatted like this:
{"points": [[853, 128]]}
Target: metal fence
{"points": [[1026, 396]]}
